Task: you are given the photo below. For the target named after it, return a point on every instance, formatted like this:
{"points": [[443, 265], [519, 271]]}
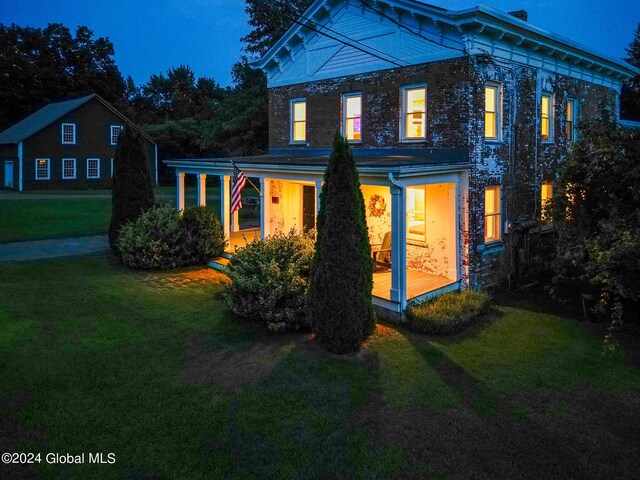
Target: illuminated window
{"points": [[352, 113], [546, 118], [492, 111], [492, 214], [546, 195], [43, 169], [298, 121], [68, 168], [93, 168], [416, 214], [68, 133], [571, 121], [115, 133], [414, 113]]}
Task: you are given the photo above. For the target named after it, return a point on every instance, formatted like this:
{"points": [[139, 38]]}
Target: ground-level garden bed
{"points": [[154, 368]]}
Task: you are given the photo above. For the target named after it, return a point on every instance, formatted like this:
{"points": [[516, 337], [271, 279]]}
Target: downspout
{"points": [[20, 167], [398, 244], [156, 151]]}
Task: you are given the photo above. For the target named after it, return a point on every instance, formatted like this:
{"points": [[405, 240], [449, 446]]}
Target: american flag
{"points": [[239, 181]]}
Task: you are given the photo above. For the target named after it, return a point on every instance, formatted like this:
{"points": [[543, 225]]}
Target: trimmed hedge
{"points": [[162, 239], [270, 281], [448, 313]]}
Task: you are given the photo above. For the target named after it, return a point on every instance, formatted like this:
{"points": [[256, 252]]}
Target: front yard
{"points": [[154, 368]]}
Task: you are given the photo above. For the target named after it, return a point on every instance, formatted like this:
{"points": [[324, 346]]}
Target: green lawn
{"points": [[75, 213], [154, 368]]}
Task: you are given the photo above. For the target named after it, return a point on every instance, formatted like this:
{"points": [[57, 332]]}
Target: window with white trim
{"points": [[570, 127], [116, 130], [546, 118], [492, 214], [414, 113], [492, 111], [68, 133], [43, 169], [298, 121], [416, 214], [93, 168], [352, 117], [68, 168]]}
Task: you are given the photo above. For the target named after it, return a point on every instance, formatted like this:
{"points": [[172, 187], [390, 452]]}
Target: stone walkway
{"points": [[64, 247]]}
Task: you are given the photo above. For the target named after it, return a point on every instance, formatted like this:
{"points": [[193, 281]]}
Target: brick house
{"points": [[458, 120], [68, 144]]}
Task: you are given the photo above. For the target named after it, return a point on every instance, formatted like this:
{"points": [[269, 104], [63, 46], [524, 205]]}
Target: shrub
{"points": [[341, 309], [270, 281], [204, 235], [132, 192], [447, 313]]}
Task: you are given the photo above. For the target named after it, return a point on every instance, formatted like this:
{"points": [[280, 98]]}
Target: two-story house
{"points": [[66, 145], [458, 122]]}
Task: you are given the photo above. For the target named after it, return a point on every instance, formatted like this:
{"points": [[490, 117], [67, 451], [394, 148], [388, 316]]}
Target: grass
{"points": [[154, 368], [447, 313]]}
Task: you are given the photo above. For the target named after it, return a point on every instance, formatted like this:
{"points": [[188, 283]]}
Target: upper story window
{"points": [[414, 113], [93, 168], [43, 169], [416, 214], [68, 133], [492, 214], [492, 111], [298, 121], [116, 130], [546, 118], [68, 168], [571, 120], [352, 117]]}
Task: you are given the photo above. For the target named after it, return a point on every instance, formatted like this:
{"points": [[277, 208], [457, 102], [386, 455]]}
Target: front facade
{"points": [[458, 122], [65, 145]]}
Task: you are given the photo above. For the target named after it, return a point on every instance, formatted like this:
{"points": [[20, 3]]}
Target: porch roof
{"points": [[381, 161]]}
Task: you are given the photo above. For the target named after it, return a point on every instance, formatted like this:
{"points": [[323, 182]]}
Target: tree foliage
{"points": [[341, 310], [43, 65], [132, 191], [597, 215], [630, 97]]}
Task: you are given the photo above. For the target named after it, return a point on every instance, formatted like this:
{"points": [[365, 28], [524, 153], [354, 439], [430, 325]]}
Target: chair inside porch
{"points": [[418, 283], [240, 239]]}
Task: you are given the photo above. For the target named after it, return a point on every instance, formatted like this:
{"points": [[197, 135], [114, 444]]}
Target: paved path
{"points": [[65, 247]]}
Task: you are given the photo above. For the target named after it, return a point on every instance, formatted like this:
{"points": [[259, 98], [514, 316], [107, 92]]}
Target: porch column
{"points": [[180, 191], [202, 190], [225, 203], [265, 207], [318, 191], [398, 246], [235, 222]]}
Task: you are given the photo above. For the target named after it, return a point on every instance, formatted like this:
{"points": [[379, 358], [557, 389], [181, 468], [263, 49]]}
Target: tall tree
{"points": [[41, 65], [132, 192], [270, 19], [341, 310], [630, 97]]}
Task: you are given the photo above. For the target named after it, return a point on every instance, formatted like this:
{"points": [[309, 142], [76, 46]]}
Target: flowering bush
{"points": [[270, 281]]}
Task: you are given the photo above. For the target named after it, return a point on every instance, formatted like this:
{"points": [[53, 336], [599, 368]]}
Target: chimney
{"points": [[520, 14]]}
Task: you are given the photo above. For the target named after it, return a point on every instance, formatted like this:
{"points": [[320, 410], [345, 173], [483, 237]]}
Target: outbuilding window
{"points": [[68, 133], [492, 111], [352, 117], [414, 113], [492, 214], [43, 169], [298, 121], [93, 168], [116, 130], [68, 168]]}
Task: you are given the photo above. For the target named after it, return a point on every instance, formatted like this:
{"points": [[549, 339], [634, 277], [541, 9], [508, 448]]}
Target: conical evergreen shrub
{"points": [[341, 310], [132, 191]]}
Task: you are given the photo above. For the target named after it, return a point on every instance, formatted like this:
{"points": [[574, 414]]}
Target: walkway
{"points": [[64, 247]]}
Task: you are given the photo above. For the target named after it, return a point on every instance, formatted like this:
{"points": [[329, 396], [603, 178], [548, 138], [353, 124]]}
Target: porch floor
{"points": [[418, 283], [240, 238]]}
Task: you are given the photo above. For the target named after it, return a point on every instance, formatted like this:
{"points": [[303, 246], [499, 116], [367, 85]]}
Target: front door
{"points": [[308, 208], [8, 174]]}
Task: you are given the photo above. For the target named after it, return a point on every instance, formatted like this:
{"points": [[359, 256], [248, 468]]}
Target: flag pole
{"points": [[248, 179]]}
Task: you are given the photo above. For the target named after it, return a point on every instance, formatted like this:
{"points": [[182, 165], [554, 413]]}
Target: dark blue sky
{"points": [[152, 35]]}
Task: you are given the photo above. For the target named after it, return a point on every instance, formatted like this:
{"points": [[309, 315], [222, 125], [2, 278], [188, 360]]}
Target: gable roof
{"points": [[473, 31], [50, 113]]}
